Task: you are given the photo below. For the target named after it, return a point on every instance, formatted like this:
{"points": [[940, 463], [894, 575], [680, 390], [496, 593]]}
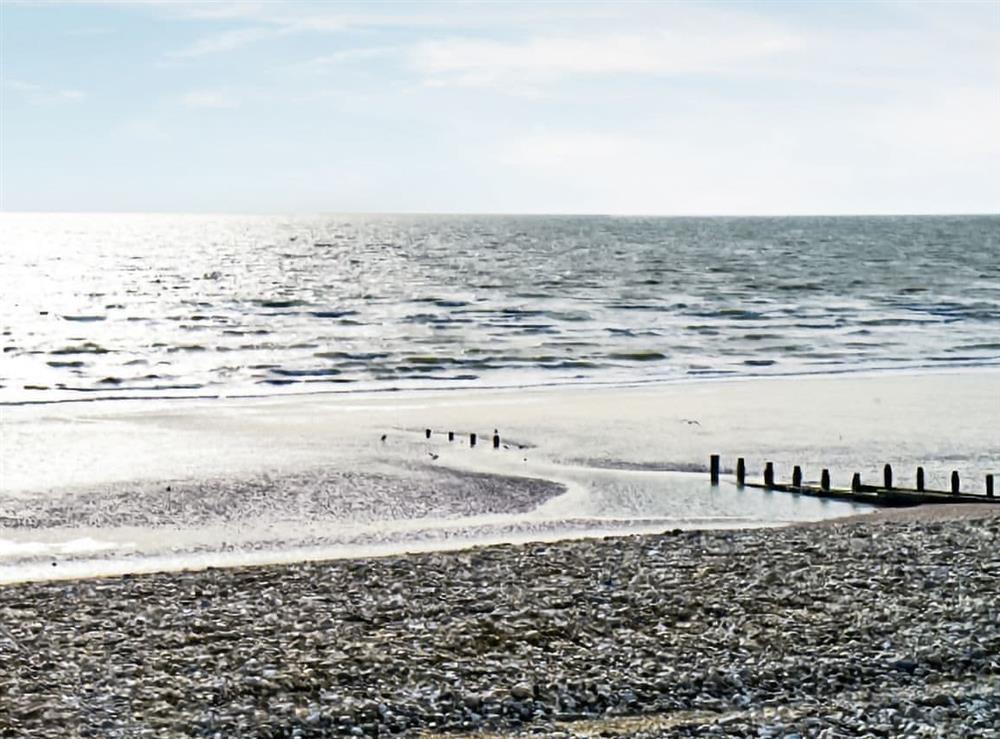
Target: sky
{"points": [[672, 108]]}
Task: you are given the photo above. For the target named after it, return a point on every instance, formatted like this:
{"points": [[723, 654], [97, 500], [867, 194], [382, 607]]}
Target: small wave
{"points": [[272, 303], [648, 356], [353, 356], [897, 322], [319, 372], [332, 313], [84, 319], [985, 346], [87, 348]]}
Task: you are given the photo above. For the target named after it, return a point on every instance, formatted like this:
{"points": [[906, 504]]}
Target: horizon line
{"points": [[523, 214]]}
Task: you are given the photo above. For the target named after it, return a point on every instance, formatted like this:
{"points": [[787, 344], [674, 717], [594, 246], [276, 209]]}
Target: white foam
{"points": [[13, 549]]}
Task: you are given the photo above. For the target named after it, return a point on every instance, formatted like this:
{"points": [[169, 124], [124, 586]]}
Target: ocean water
{"points": [[112, 306]]}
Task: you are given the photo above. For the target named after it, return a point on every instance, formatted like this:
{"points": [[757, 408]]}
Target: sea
{"points": [[104, 306]]}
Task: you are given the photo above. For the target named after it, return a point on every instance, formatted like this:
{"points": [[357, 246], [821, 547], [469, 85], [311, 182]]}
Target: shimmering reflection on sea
{"points": [[137, 305]]}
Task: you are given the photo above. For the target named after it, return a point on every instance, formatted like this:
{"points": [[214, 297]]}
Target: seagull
{"points": [[433, 455]]}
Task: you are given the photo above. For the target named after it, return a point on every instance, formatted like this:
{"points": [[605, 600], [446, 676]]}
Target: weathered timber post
{"points": [[427, 433], [713, 468], [989, 486], [496, 440], [955, 483], [856, 482], [451, 436], [472, 439], [769, 474], [920, 479], [824, 480], [887, 476], [741, 472], [796, 477]]}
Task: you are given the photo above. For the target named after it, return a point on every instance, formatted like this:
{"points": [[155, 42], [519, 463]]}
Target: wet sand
{"points": [[311, 477]]}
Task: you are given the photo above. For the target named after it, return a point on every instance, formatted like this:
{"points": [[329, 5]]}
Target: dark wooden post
{"points": [[451, 436], [713, 468], [856, 482], [989, 486], [496, 440], [824, 480], [769, 474], [887, 476], [741, 472], [472, 439], [955, 482], [427, 433], [920, 479], [796, 477]]}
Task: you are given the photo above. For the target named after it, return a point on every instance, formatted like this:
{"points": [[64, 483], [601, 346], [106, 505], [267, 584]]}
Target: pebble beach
{"points": [[882, 625]]}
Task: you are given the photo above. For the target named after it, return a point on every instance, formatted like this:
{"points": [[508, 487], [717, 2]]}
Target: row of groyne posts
{"points": [[473, 438], [885, 494]]}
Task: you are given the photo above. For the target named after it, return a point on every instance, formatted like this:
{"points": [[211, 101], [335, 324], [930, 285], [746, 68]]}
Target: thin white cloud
{"points": [[546, 150], [223, 41], [960, 124], [345, 56], [211, 99], [541, 60], [39, 95]]}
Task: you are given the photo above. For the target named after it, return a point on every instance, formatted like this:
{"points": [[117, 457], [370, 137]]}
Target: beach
{"points": [[142, 486], [499, 369], [883, 625], [318, 566]]}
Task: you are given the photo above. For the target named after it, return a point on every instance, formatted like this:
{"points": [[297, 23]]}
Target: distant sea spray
{"points": [[99, 306]]}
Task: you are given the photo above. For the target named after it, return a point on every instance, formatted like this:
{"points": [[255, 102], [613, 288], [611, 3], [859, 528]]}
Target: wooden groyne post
{"points": [[713, 468], [427, 433], [741, 472], [796, 477], [824, 480], [769, 474], [920, 479], [472, 439], [887, 476], [451, 436], [496, 440], [989, 486], [856, 482], [956, 483]]}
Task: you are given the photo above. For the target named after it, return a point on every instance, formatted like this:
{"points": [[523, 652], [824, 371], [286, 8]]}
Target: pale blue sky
{"points": [[659, 108]]}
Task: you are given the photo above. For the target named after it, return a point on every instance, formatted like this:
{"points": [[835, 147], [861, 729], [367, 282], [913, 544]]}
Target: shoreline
{"points": [[882, 625], [555, 386]]}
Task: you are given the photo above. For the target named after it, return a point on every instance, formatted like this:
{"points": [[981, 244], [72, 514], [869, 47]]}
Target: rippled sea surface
{"points": [[135, 305]]}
